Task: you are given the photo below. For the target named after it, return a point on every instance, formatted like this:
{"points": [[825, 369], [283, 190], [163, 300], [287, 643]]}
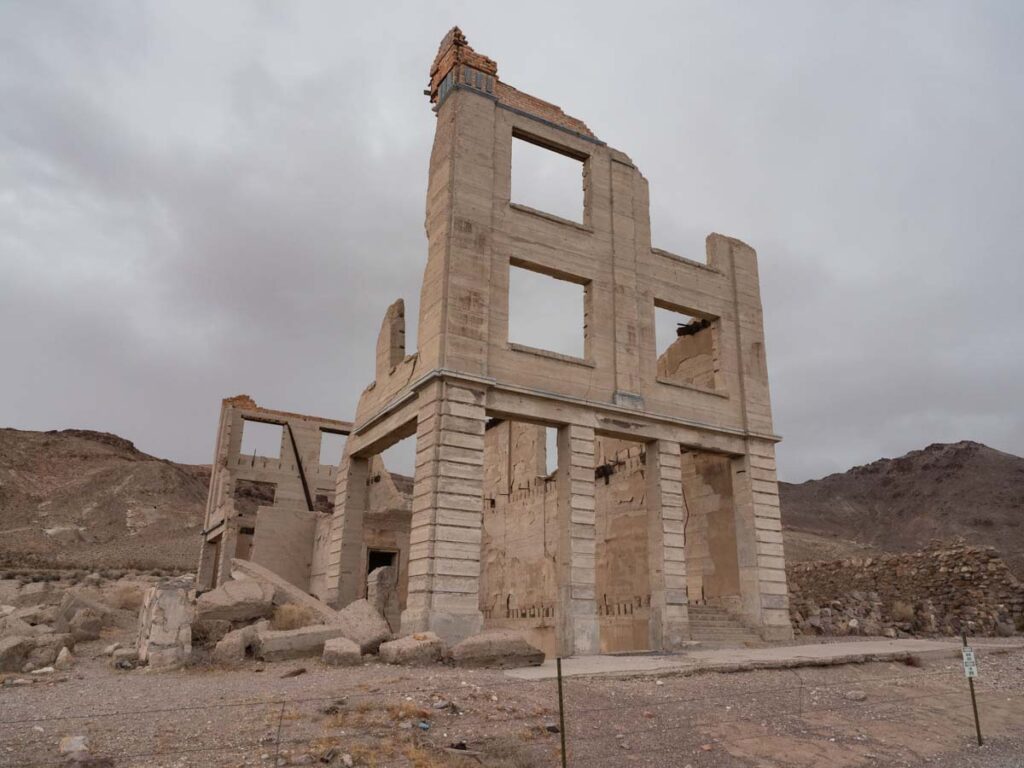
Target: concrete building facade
{"points": [[663, 500]]}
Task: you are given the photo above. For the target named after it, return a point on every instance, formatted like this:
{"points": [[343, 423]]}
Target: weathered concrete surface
{"points": [[745, 659], [238, 644], [497, 648], [361, 624], [236, 601], [165, 626], [274, 645], [419, 649], [341, 652], [284, 592]]}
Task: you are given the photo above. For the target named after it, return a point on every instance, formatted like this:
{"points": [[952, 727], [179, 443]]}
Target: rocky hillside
{"points": [[91, 499], [945, 491]]}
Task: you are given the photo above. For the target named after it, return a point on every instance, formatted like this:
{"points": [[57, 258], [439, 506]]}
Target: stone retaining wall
{"points": [[934, 591]]}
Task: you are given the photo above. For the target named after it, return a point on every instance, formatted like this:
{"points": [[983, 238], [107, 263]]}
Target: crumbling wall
{"points": [[712, 569], [931, 592]]}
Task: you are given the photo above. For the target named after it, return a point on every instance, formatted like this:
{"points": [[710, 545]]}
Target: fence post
{"points": [[561, 710], [970, 682]]}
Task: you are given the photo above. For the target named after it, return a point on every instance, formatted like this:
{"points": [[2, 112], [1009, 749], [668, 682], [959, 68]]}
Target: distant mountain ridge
{"points": [[92, 499], [945, 491]]}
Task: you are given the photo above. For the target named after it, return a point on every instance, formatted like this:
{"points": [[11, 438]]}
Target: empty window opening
{"points": [[261, 439], [547, 180], [379, 558], [400, 458], [323, 503], [332, 445], [551, 449], [546, 312], [687, 348], [250, 494]]}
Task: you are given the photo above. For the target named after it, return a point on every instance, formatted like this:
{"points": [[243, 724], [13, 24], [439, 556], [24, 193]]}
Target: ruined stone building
{"points": [[662, 512]]}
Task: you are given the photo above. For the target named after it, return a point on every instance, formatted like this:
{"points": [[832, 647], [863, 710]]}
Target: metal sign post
{"points": [[561, 711], [971, 672]]}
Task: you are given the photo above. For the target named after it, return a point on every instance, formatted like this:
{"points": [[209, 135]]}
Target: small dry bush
{"points": [[902, 611], [127, 597], [408, 710], [291, 616]]}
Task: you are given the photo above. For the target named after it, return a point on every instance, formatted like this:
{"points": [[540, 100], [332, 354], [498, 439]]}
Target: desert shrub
{"points": [[291, 616], [902, 611], [127, 597]]}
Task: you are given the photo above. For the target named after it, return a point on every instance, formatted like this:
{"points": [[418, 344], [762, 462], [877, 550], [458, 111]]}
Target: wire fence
{"points": [[637, 721]]}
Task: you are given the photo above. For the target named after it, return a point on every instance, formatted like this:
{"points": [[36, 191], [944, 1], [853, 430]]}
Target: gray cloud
{"points": [[203, 199]]}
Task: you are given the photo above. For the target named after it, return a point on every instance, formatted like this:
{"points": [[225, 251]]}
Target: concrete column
{"points": [[577, 623], [228, 545], [447, 514], [207, 566], [762, 565], [345, 551], [669, 622]]}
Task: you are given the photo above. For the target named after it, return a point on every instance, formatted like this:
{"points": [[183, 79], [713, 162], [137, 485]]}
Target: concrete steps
{"points": [[715, 626]]}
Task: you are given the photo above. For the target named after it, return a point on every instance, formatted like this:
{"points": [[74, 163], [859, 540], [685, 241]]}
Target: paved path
{"points": [[742, 659]]}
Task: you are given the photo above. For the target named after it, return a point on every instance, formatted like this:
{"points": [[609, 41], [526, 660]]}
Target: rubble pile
{"points": [[936, 591]]}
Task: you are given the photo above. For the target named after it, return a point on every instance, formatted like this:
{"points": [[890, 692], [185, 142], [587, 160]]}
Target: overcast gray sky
{"points": [[200, 199]]}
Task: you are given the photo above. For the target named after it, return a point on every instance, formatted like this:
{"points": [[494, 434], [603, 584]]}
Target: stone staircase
{"points": [[716, 627]]}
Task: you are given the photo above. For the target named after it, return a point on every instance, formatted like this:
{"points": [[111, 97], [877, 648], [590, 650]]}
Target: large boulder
{"points": [[13, 652], [236, 601], [341, 652], [502, 648], [36, 593], [46, 648], [75, 602], [416, 650], [165, 626], [294, 643], [362, 624], [382, 594], [285, 593], [9, 591]]}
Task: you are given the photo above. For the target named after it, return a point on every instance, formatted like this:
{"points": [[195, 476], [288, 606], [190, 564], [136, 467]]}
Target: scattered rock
{"points": [[341, 652], [501, 648], [109, 650], [124, 658], [13, 652], [294, 672], [856, 696], [73, 745], [64, 659], [237, 645], [415, 650]]}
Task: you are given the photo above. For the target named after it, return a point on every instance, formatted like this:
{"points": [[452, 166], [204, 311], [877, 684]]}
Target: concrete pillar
{"points": [[228, 545], [207, 566], [669, 622], [762, 565], [447, 514], [345, 552], [577, 622]]}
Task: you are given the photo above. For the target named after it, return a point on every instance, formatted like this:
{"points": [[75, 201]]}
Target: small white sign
{"points": [[970, 662]]}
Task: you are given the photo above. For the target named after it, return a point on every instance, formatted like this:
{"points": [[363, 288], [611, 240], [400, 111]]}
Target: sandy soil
{"points": [[867, 715]]}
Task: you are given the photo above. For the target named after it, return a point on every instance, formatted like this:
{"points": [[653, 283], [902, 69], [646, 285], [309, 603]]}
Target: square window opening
{"points": [[687, 348], [260, 438], [547, 180], [332, 446], [546, 312], [251, 494]]}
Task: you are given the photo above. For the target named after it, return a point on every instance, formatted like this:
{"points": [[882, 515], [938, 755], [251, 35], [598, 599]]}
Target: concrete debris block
{"points": [[341, 652], [165, 626], [13, 652], [284, 592], [15, 626], [237, 645], [501, 648], [294, 643], [64, 659], [36, 593], [109, 650], [382, 594], [363, 625], [416, 650], [124, 658], [86, 625], [236, 601]]}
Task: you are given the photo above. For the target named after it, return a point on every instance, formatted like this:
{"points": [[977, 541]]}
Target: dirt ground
{"points": [[376, 715]]}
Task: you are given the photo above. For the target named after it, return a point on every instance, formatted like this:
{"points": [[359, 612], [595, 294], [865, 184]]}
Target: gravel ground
{"points": [[865, 715]]}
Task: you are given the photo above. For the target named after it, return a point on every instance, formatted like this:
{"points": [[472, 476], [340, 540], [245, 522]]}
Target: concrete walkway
{"points": [[744, 659]]}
